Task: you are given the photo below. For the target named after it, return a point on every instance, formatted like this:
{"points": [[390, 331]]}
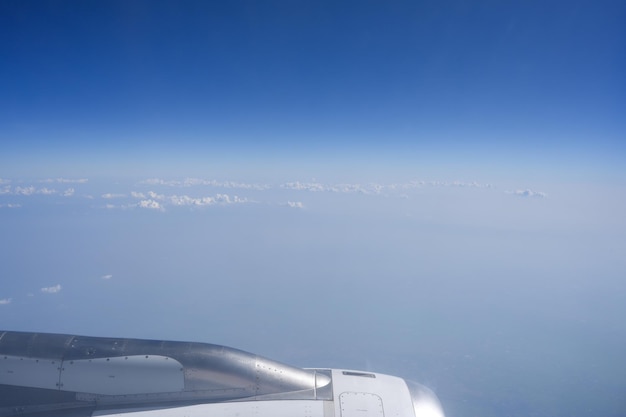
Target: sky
{"points": [[429, 189]]}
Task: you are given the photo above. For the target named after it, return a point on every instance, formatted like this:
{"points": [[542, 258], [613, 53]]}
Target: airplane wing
{"points": [[56, 375]]}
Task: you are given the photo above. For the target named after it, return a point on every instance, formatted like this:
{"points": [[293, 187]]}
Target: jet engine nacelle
{"points": [[74, 376]]}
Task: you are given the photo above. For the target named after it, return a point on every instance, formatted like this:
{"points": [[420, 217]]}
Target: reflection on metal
{"points": [[425, 402], [56, 375], [120, 375], [109, 376]]}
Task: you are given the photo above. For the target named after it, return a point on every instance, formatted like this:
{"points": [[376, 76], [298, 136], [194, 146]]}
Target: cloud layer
{"points": [[155, 193], [528, 193], [52, 290]]}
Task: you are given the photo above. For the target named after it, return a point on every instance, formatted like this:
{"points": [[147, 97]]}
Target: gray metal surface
{"points": [[425, 402], [48, 372]]}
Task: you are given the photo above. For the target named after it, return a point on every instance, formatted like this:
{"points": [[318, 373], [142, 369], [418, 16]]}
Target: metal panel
{"points": [[34, 345], [393, 392], [137, 374], [29, 372], [219, 371], [360, 404]]}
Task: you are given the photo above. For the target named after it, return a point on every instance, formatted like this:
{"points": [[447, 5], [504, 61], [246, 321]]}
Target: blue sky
{"points": [[321, 77], [428, 189]]}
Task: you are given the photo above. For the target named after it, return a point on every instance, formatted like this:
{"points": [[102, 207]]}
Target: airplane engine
{"points": [[56, 375]]}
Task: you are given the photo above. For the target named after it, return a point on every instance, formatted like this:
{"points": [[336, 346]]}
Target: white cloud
{"points": [[193, 196], [52, 290], [158, 201], [46, 191], [305, 186], [10, 205], [156, 196], [234, 184], [223, 198], [31, 190], [403, 186], [528, 193], [317, 187], [107, 277], [149, 195], [3, 181], [5, 301], [190, 182], [157, 181], [24, 190], [150, 204], [185, 200], [349, 188], [460, 184], [65, 180], [375, 188]]}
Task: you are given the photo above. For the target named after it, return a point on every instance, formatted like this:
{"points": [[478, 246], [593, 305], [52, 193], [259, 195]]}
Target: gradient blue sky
{"points": [[434, 190], [432, 80]]}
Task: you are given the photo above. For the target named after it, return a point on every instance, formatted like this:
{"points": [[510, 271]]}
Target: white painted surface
{"points": [[284, 408], [29, 372], [360, 404], [392, 391]]}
